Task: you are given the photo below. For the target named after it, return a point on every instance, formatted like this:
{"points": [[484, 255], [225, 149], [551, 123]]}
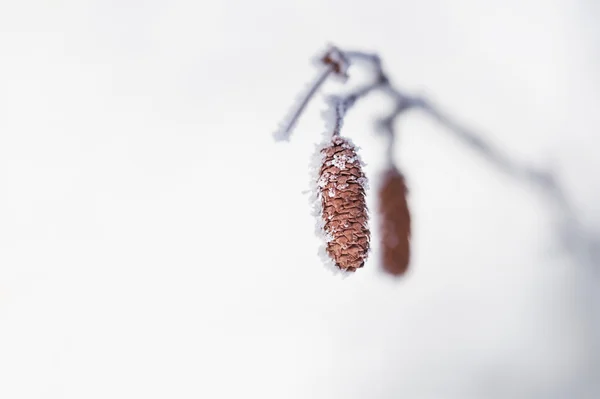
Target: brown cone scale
{"points": [[395, 223], [341, 185]]}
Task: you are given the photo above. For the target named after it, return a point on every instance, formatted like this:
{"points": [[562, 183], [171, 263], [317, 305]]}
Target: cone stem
{"points": [[389, 151], [339, 117]]}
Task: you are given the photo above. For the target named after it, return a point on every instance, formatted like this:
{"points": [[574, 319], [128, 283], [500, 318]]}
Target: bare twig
{"points": [[339, 110], [285, 130], [573, 230], [579, 240], [335, 63]]}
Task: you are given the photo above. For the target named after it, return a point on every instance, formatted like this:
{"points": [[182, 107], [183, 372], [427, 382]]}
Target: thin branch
{"points": [[335, 63], [285, 130], [579, 240], [404, 102], [339, 113], [382, 82], [574, 233], [477, 143]]}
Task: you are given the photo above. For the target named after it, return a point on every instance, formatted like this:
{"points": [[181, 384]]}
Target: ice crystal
{"points": [[339, 161], [363, 182]]}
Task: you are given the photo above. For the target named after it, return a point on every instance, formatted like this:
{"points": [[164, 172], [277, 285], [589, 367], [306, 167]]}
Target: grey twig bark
{"points": [[575, 235]]}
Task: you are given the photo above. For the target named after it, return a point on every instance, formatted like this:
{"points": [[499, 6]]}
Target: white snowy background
{"points": [[155, 241]]}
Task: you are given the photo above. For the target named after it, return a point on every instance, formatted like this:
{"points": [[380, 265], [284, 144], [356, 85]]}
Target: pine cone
{"points": [[344, 210], [395, 223]]}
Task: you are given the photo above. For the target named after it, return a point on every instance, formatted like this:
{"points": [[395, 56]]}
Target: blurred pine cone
{"points": [[395, 223], [342, 191]]}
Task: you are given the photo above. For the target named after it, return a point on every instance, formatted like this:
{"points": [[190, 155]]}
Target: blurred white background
{"points": [[154, 240]]}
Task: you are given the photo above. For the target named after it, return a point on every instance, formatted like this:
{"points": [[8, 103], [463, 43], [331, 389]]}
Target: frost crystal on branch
{"points": [[331, 62], [339, 183], [287, 125]]}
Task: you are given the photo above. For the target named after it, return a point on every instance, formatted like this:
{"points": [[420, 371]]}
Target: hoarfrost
{"points": [[329, 117], [323, 180], [339, 161], [363, 182], [286, 126], [328, 237]]}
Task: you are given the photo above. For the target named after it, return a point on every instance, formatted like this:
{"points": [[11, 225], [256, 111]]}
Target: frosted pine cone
{"points": [[395, 224], [344, 210]]}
